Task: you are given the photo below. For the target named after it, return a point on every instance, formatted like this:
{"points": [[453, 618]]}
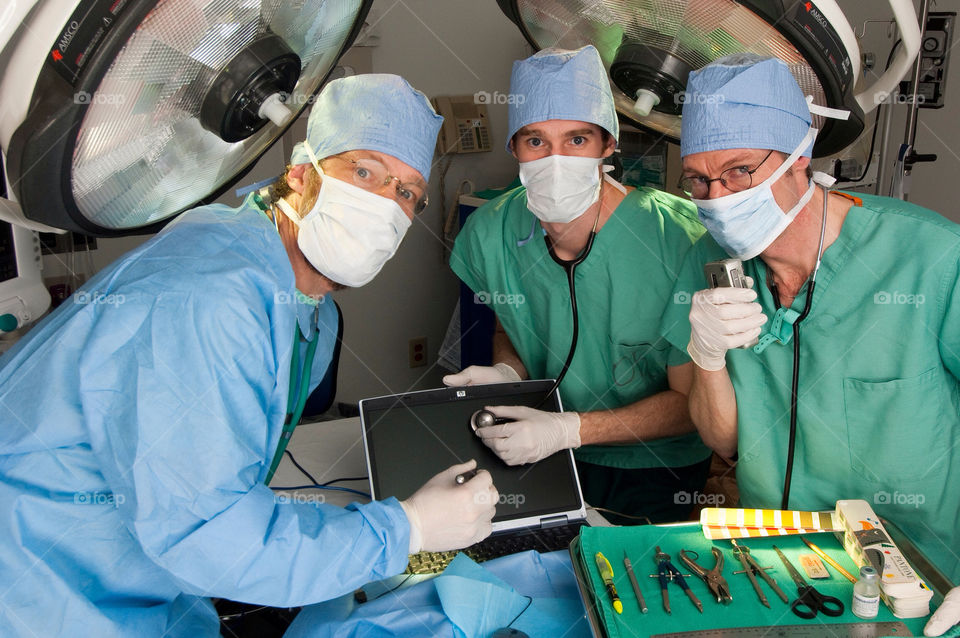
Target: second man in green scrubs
{"points": [[636, 448]]}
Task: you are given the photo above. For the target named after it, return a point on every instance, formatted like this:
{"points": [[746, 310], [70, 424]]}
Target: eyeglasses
{"points": [[371, 175], [734, 179]]}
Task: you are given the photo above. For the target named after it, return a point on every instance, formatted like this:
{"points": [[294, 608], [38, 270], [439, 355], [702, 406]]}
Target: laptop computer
{"points": [[410, 437]]}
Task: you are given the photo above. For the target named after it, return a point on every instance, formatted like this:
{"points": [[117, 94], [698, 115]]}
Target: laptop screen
{"points": [[411, 437]]}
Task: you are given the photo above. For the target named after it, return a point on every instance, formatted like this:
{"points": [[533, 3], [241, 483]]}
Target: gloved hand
{"points": [[445, 516], [946, 616], [478, 375], [533, 435], [720, 319]]}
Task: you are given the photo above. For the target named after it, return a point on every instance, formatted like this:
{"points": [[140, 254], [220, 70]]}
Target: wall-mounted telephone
{"points": [[465, 126]]}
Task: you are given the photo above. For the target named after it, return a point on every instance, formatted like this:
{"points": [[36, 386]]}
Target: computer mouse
{"points": [[509, 632]]}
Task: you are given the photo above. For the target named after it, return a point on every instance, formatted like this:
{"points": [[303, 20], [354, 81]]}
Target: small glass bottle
{"points": [[866, 593]]}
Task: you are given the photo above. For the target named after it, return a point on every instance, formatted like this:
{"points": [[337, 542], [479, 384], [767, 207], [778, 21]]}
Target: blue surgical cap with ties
{"points": [[743, 101], [373, 112], [556, 84]]}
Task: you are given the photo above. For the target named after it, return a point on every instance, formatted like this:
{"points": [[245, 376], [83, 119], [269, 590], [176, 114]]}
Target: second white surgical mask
{"points": [[745, 223], [560, 188]]}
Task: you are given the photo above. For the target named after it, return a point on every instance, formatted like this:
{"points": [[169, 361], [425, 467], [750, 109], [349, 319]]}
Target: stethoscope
{"points": [[794, 386], [299, 389], [299, 376], [570, 268], [485, 418]]}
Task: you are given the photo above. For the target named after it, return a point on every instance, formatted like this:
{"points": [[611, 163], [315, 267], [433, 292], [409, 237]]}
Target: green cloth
{"points": [[745, 610], [879, 401], [622, 288]]}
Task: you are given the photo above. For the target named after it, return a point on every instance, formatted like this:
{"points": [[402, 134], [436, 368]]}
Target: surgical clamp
{"points": [[752, 569], [714, 577]]}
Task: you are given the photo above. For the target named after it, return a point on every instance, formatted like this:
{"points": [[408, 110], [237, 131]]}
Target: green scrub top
{"points": [[622, 289], [878, 410]]}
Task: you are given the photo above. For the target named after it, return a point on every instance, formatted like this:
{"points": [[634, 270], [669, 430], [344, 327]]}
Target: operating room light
{"points": [[166, 107], [651, 46]]}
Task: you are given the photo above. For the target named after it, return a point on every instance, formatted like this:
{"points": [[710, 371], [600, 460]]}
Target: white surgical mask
{"points": [[560, 188], [746, 223], [350, 233]]}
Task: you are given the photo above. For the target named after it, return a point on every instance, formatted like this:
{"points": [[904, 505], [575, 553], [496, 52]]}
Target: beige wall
{"points": [[938, 130]]}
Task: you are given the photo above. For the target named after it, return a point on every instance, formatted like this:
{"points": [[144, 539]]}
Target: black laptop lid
{"points": [[410, 437]]}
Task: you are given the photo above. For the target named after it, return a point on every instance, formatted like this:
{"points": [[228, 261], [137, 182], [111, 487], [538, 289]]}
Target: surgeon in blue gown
{"points": [[138, 422]]}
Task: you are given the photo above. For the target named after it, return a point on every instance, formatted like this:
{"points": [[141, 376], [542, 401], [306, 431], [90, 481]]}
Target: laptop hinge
{"points": [[553, 521]]}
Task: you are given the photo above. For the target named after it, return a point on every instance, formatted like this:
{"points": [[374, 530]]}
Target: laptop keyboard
{"points": [[547, 539]]}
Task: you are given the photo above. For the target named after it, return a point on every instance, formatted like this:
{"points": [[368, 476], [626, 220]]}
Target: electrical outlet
{"points": [[418, 352]]}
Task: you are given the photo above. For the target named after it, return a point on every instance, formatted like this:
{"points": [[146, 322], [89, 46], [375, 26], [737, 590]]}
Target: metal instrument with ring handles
{"points": [[809, 601]]}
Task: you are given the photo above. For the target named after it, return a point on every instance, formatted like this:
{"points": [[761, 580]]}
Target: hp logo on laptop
{"points": [[461, 394]]}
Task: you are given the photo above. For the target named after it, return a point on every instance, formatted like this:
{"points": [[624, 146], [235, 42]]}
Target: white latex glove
{"points": [[946, 616], [445, 516], [721, 319], [478, 375], [534, 434]]}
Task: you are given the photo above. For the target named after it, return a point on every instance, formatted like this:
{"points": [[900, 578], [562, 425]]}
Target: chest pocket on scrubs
{"points": [[884, 422], [640, 366]]}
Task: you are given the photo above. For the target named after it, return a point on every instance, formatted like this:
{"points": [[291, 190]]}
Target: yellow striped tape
{"points": [[724, 522]]}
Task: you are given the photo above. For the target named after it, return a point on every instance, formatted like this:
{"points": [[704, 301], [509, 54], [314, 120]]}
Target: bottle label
{"points": [[865, 606]]}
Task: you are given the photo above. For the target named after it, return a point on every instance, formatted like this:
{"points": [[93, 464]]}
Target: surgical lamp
{"points": [[651, 46], [116, 116]]}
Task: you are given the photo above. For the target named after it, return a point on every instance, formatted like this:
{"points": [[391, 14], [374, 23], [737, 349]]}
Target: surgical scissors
{"points": [[809, 601], [751, 569], [713, 578]]}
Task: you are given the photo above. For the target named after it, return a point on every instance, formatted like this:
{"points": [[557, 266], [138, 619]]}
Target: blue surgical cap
{"points": [[743, 101], [373, 112], [556, 84]]}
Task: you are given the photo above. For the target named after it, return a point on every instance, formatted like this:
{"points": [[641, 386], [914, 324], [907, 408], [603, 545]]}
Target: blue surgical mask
{"points": [[745, 223]]}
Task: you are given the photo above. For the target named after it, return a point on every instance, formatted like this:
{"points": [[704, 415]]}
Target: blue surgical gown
{"points": [[138, 423]]}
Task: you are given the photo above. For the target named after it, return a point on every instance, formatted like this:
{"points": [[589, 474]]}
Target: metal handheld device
{"points": [[727, 273]]}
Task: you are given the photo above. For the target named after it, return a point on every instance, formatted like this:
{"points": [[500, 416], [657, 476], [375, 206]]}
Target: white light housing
{"points": [[116, 116]]}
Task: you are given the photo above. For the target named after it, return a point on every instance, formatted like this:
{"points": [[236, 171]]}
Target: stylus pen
{"points": [[633, 581], [466, 476]]}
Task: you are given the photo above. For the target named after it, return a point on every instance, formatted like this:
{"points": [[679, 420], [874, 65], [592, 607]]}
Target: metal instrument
{"points": [[666, 572], [752, 570], [713, 578], [809, 602], [634, 583]]}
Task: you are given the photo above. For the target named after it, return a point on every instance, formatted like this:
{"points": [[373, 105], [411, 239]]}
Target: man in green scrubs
{"points": [[627, 416], [878, 409]]}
